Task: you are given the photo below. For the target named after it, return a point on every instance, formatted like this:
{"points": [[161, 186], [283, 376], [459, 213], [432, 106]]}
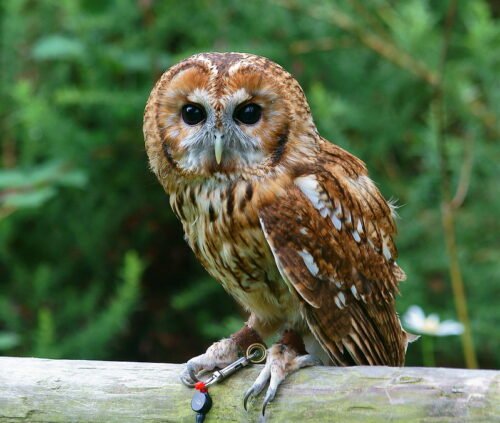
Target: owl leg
{"points": [[220, 354], [284, 358]]}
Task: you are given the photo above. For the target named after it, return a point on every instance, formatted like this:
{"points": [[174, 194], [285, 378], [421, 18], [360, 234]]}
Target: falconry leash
{"points": [[202, 402]]}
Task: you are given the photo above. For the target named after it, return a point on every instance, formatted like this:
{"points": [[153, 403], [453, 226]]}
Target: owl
{"points": [[288, 223]]}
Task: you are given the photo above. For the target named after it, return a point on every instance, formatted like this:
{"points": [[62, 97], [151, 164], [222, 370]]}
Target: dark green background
{"points": [[92, 261]]}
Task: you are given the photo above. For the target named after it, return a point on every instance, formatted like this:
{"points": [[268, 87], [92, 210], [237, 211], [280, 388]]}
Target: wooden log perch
{"points": [[39, 390]]}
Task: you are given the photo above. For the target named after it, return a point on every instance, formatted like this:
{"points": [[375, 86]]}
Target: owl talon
{"points": [[248, 394], [270, 394], [192, 371], [281, 361], [186, 379], [219, 354], [259, 384], [255, 390]]}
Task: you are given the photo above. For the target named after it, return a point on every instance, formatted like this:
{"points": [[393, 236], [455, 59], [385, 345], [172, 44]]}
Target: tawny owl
{"points": [[290, 224]]}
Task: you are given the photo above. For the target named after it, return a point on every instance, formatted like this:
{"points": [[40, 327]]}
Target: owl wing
{"points": [[331, 238]]}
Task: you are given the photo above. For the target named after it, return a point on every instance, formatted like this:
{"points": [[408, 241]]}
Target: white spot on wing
{"points": [[385, 248], [337, 302], [281, 270], [324, 212], [359, 227], [342, 298], [336, 222], [304, 231], [348, 219], [356, 236], [309, 262], [354, 292], [338, 208], [387, 253], [310, 188]]}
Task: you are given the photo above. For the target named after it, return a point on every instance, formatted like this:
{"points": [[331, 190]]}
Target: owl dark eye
{"points": [[192, 114], [248, 113]]}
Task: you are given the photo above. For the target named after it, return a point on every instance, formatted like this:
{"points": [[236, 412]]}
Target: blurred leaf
{"points": [[13, 179], [50, 172], [28, 199], [31, 188], [70, 96], [73, 178], [58, 47], [9, 340], [45, 334]]}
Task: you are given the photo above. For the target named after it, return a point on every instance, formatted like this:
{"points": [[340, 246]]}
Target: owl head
{"points": [[226, 113]]}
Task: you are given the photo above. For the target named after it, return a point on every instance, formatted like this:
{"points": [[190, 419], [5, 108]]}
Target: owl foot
{"points": [[282, 360], [219, 354]]}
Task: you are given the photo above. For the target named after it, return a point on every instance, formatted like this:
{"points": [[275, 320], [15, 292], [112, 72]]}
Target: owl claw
{"points": [[281, 361], [192, 370], [249, 393], [186, 379], [188, 375], [255, 390], [270, 394], [219, 354]]}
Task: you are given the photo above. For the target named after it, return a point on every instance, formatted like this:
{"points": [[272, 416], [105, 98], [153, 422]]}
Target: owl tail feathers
{"points": [[410, 337]]}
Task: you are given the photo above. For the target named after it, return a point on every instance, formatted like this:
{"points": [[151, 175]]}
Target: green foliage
{"points": [[200, 296], [31, 188], [107, 321], [55, 47], [8, 340], [76, 195], [72, 324]]}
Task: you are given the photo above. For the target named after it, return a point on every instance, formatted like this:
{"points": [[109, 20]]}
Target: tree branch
{"points": [[391, 52], [447, 211], [38, 390]]}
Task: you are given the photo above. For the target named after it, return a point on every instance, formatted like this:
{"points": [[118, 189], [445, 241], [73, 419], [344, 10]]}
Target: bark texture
{"points": [[40, 390]]}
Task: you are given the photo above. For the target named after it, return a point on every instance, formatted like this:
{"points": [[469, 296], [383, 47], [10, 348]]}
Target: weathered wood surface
{"points": [[38, 390]]}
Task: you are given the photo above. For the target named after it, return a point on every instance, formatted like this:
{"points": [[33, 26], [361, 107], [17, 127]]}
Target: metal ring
{"points": [[256, 353]]}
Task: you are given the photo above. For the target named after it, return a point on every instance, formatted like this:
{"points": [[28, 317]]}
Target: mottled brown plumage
{"points": [[288, 223]]}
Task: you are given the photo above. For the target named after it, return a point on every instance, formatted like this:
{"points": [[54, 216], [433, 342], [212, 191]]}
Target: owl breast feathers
{"points": [[290, 224]]}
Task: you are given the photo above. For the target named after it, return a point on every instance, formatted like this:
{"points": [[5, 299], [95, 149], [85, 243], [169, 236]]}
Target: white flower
{"points": [[416, 320]]}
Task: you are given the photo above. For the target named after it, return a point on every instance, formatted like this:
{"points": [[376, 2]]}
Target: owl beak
{"points": [[218, 146]]}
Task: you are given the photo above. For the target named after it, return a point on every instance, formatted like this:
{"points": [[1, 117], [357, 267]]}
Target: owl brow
{"points": [[263, 96], [256, 97], [199, 96], [239, 97]]}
